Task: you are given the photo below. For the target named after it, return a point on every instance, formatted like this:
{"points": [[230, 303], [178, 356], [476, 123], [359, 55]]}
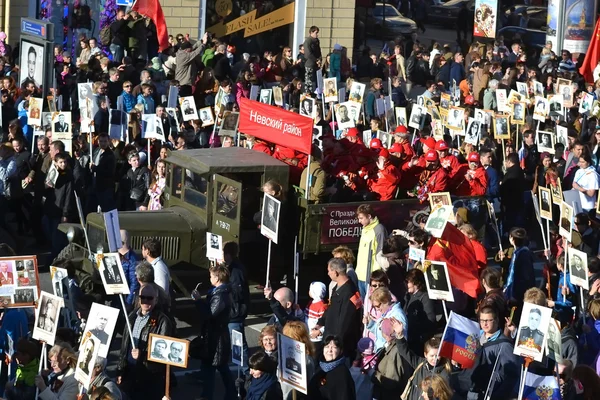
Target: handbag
{"points": [[136, 195]]}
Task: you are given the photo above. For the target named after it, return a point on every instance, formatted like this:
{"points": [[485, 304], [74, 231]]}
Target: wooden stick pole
{"points": [[168, 381]]}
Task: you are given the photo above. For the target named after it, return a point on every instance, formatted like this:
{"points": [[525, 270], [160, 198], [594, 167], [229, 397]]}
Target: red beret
{"points": [[401, 130]]}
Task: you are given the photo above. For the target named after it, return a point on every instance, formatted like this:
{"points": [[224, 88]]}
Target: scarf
{"points": [[259, 386], [328, 366], [26, 374], [511, 272]]}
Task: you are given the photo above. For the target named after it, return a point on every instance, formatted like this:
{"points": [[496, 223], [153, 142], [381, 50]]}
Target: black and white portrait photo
{"points": [[522, 89], [101, 323], [46, 317], [437, 220], [229, 123], [342, 116], [566, 219], [265, 96], [501, 127], [545, 142], [545, 203], [437, 280], [472, 132], [32, 64], [307, 107], [417, 117], [206, 116], [357, 91], [86, 361], [168, 350], [237, 347], [214, 246], [57, 275], [270, 217], [25, 295], [541, 109], [87, 106], [531, 336], [62, 122], [456, 119], [518, 116], [555, 105], [567, 93], [188, 108], [554, 341], [111, 272], [578, 266]]}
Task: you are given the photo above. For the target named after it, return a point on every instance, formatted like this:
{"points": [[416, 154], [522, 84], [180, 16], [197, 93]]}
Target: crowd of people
{"points": [[474, 121]]}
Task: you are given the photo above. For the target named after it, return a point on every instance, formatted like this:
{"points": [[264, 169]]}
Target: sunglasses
{"points": [[146, 298]]}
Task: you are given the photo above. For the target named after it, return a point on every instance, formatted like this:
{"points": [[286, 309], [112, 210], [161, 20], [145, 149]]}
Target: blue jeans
{"points": [[239, 326], [208, 381], [362, 289]]}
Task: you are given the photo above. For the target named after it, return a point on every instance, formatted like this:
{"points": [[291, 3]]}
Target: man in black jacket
{"points": [[238, 282], [222, 69], [103, 165], [119, 32], [511, 193], [134, 185], [312, 53], [283, 307], [343, 317]]}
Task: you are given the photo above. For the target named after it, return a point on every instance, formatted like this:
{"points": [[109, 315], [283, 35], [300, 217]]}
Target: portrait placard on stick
{"points": [[111, 272], [101, 323], [292, 363], [269, 226], [237, 348], [438, 280], [437, 220], [566, 218], [214, 246], [545, 203], [46, 318], [578, 268], [168, 350], [531, 336], [88, 352]]}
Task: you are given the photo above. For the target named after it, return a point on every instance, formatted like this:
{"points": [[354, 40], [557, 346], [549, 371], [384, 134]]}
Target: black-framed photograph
{"points": [[518, 113], [531, 336], [229, 123], [269, 226], [188, 108], [266, 95], [101, 323], [438, 280], [578, 267], [46, 317], [111, 272], [168, 350], [237, 348], [33, 67]]}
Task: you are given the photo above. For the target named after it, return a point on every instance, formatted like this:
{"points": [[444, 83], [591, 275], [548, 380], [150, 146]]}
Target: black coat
{"points": [[59, 200], [138, 179], [222, 69], [215, 311], [512, 188], [240, 291], [104, 172], [22, 165], [420, 316], [333, 385]]}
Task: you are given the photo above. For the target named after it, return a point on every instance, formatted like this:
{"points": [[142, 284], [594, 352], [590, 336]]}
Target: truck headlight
{"points": [[71, 234]]}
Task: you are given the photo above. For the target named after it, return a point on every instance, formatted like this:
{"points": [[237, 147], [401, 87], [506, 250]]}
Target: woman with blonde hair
{"points": [[298, 331], [267, 340], [62, 369], [435, 388]]}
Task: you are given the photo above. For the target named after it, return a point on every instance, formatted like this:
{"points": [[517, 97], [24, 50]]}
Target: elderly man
{"points": [[283, 307]]}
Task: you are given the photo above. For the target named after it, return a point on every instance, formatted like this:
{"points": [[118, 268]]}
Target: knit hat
{"points": [[545, 155], [441, 145], [366, 346], [337, 46], [317, 290], [156, 64], [431, 155]]}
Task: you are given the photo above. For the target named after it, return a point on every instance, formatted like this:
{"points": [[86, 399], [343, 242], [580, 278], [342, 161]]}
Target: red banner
{"points": [[276, 125]]}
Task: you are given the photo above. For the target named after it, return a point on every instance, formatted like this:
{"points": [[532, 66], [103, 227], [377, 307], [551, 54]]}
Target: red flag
{"points": [[456, 250], [592, 56], [153, 10]]}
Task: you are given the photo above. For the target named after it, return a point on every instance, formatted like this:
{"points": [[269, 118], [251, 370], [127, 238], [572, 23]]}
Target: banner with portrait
{"points": [[485, 18]]}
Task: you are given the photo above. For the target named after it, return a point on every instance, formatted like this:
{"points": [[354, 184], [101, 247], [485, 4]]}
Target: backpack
{"points": [[105, 36]]}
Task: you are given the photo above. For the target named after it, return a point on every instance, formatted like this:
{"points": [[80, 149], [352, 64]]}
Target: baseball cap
{"points": [[473, 157], [375, 144], [352, 132], [401, 130], [384, 153], [441, 145], [396, 148], [431, 155], [429, 142]]}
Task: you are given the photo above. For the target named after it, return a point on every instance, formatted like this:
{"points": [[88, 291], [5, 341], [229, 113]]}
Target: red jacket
{"points": [[476, 186], [438, 181], [480, 254], [451, 164], [408, 150], [385, 183], [262, 146]]}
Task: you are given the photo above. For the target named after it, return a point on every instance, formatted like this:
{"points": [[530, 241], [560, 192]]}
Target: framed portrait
{"points": [[46, 121], [433, 111], [46, 317], [437, 280], [456, 120], [545, 198], [307, 106], [32, 64], [545, 141], [330, 90], [189, 111], [269, 226], [541, 109], [342, 116], [482, 116], [174, 120], [562, 136], [401, 116], [87, 105], [111, 272], [438, 129], [522, 89], [566, 220], [514, 96], [417, 117], [150, 128], [34, 114], [19, 281], [214, 246], [57, 276], [237, 348], [229, 123], [578, 268], [117, 127], [567, 93], [278, 96], [266, 96], [556, 191], [86, 361], [502, 100], [473, 131], [436, 223], [554, 341], [538, 89], [501, 127], [357, 91], [518, 113], [206, 116], [444, 103], [533, 326], [61, 123], [101, 323], [168, 350], [585, 106], [555, 104], [292, 362]]}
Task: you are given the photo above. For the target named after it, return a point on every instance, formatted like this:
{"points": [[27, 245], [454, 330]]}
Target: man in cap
{"points": [[402, 137], [432, 178], [474, 181], [385, 183], [448, 161]]}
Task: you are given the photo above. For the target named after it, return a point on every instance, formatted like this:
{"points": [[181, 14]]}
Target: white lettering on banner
{"points": [[224, 225], [275, 124], [336, 222], [336, 213], [344, 232]]}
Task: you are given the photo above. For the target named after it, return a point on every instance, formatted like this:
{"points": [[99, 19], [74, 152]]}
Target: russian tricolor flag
{"points": [[461, 340], [540, 388]]}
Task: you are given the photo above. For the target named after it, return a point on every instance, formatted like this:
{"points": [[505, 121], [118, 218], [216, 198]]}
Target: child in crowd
{"points": [[363, 367], [565, 290], [316, 307]]}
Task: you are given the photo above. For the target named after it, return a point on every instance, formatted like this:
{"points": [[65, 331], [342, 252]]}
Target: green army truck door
{"points": [[227, 201]]}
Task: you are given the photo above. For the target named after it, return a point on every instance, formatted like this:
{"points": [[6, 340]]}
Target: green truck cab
{"points": [[219, 190]]}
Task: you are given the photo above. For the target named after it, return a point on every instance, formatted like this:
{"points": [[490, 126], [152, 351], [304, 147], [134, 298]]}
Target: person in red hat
{"points": [[475, 179], [385, 183], [448, 161], [375, 144], [259, 145], [432, 179], [296, 160], [402, 137], [353, 135], [397, 156], [340, 160]]}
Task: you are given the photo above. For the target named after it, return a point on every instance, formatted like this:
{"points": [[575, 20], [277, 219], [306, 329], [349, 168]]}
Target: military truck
{"points": [[219, 190]]}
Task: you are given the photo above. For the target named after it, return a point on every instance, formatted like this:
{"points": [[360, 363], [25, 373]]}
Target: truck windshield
{"points": [[195, 189]]}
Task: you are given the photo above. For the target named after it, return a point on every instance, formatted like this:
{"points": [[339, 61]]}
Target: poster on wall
{"points": [[486, 15], [579, 20], [554, 15]]}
